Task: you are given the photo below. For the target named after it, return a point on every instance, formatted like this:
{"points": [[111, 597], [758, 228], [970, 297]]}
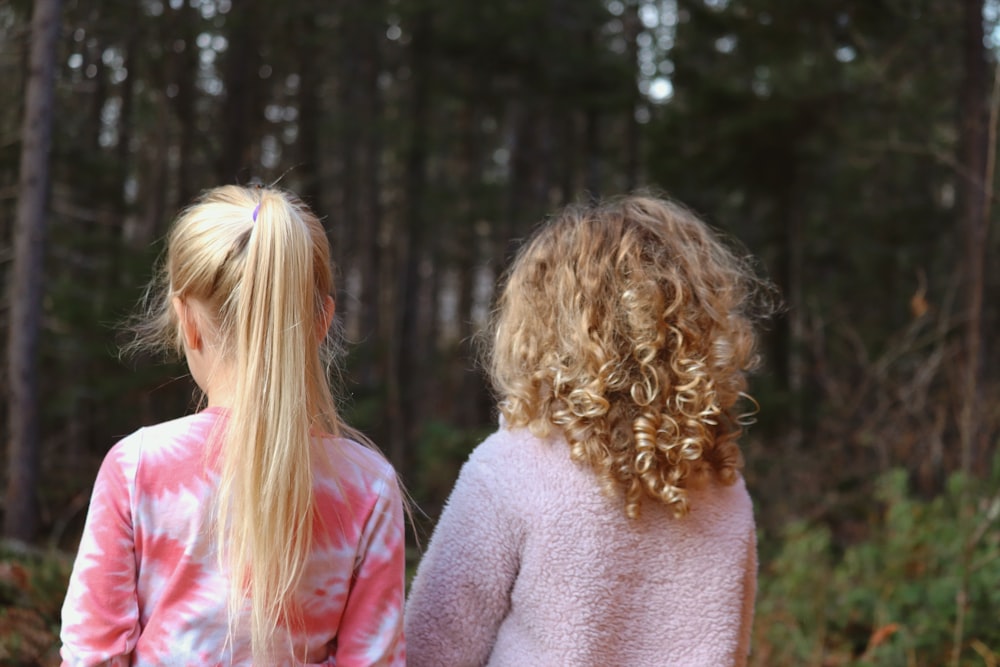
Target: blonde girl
{"points": [[258, 530], [606, 521]]}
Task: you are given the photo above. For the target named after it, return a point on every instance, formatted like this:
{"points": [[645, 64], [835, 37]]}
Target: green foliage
{"points": [[794, 592], [441, 452], [32, 588], [921, 591]]}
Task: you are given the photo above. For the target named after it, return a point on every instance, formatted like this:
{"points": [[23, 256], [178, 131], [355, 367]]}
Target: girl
{"points": [[259, 530], [605, 522]]}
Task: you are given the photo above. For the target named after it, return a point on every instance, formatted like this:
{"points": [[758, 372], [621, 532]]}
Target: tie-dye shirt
{"points": [[146, 587]]}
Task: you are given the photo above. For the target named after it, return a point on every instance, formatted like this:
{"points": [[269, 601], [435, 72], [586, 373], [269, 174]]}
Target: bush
{"points": [[922, 591], [32, 588]]}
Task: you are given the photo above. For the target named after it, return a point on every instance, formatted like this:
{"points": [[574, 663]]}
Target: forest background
{"points": [[849, 145]]}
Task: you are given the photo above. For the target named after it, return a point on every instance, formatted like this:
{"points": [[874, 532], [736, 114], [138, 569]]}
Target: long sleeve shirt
{"points": [[147, 588], [532, 564]]}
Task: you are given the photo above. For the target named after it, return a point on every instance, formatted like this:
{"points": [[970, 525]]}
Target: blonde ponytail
{"points": [[259, 261], [266, 497]]}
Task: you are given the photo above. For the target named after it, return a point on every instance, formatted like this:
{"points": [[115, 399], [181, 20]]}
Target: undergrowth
{"points": [[922, 591], [32, 588]]}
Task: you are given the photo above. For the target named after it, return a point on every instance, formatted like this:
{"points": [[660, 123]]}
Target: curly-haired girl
{"points": [[605, 522], [257, 531]]}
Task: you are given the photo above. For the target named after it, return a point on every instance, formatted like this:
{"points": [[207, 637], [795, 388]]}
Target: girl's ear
{"points": [[186, 319], [329, 309]]}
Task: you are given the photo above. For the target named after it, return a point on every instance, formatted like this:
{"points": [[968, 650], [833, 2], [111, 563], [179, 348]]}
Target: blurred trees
{"points": [[836, 140], [850, 145], [25, 297]]}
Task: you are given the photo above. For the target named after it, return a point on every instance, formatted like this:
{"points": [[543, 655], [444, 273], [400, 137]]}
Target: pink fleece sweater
{"points": [[531, 564]]}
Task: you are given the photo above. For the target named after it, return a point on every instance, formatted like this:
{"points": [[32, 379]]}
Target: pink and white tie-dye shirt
{"points": [[146, 587]]}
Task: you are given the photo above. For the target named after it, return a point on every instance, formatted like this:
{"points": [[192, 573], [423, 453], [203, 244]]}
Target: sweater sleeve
{"points": [[100, 616], [371, 628], [461, 592]]}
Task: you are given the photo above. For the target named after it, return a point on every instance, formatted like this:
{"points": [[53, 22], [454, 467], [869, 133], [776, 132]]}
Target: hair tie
{"points": [[255, 209]]}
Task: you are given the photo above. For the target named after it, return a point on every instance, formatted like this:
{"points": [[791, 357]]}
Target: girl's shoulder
{"points": [[164, 457], [355, 463], [504, 447], [507, 440], [512, 457], [174, 437]]}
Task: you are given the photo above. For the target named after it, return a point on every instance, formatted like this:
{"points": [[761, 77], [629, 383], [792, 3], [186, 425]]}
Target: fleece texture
{"points": [[531, 564]]}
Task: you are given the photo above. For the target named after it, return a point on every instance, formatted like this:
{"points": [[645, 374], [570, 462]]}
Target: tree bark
{"points": [[633, 28], [526, 194], [474, 408], [23, 456], [359, 180], [407, 348], [241, 107], [972, 160], [309, 147], [183, 72]]}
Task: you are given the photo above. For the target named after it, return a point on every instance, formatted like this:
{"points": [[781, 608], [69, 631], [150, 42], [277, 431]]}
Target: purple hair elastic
{"points": [[255, 209]]}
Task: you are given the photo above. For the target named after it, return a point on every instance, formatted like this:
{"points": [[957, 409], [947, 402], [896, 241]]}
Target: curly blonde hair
{"points": [[628, 326]]}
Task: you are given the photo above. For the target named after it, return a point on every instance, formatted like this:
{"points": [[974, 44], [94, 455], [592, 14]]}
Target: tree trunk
{"points": [[370, 211], [21, 509], [972, 160], [147, 227], [309, 148], [126, 124], [98, 97], [526, 194], [468, 412], [592, 127], [407, 372], [240, 109], [633, 28], [361, 149], [592, 153], [183, 72]]}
